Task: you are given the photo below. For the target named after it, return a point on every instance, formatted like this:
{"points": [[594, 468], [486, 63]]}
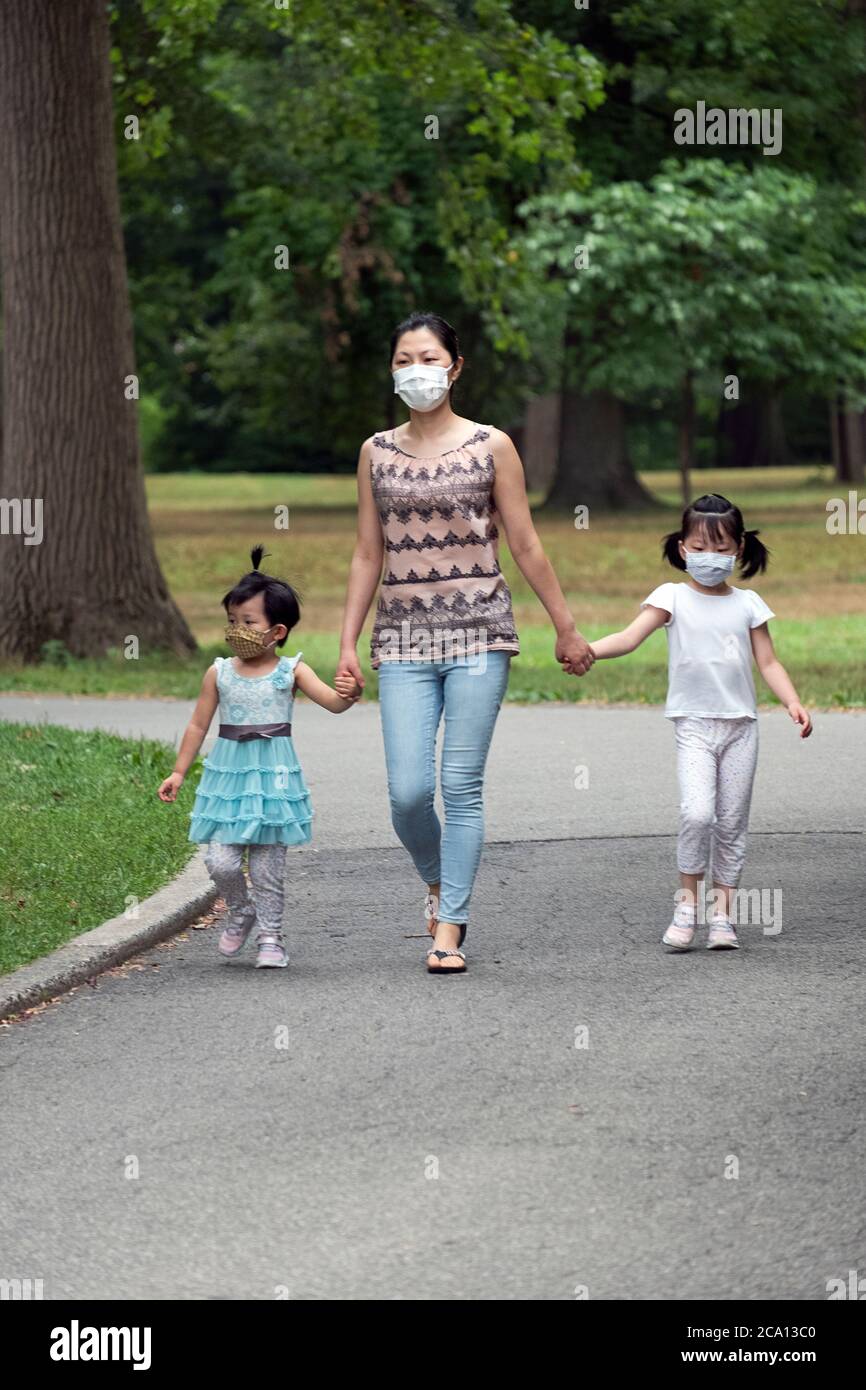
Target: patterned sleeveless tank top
{"points": [[443, 594]]}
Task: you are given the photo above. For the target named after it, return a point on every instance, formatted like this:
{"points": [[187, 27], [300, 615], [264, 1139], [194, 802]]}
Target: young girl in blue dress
{"points": [[714, 632], [252, 795]]}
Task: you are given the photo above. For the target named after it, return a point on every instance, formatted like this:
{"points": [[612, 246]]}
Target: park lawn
{"points": [[824, 658], [83, 833], [205, 525]]}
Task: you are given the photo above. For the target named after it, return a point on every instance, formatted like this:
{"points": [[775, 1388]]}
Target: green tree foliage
{"points": [[707, 264], [707, 270], [309, 129]]}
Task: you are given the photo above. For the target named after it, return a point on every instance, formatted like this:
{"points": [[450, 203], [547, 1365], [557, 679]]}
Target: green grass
{"points": [[824, 659], [205, 525], [83, 833]]}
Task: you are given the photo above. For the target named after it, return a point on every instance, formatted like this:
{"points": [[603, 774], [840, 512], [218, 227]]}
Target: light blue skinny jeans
{"points": [[412, 698]]}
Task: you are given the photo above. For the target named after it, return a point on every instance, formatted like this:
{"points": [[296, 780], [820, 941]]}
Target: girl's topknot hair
{"points": [[718, 519], [282, 602]]}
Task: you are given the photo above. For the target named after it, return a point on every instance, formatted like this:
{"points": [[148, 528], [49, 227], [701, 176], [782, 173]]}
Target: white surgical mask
{"points": [[422, 387], [708, 566]]}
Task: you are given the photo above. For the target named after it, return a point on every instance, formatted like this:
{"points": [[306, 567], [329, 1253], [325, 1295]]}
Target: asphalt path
{"points": [[583, 1113]]}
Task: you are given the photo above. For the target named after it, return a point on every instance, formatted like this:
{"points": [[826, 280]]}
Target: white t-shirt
{"points": [[709, 650]]}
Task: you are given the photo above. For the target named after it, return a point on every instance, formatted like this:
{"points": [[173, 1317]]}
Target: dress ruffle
{"points": [[249, 832], [252, 793]]}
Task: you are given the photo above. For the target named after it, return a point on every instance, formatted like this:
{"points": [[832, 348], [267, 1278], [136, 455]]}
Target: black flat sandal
{"points": [[440, 955]]}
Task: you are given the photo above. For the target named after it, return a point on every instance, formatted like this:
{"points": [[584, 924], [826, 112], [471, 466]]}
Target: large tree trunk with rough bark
{"points": [[593, 468], [70, 435]]}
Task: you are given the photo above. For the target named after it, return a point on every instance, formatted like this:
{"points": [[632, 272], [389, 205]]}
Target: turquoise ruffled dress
{"points": [[253, 792]]}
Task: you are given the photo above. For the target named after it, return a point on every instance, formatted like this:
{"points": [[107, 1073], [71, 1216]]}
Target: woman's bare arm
{"points": [[572, 650], [365, 569]]}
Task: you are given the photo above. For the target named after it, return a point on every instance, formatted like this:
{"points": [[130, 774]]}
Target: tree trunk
{"points": [[835, 439], [773, 447], [852, 446], [737, 435], [70, 438], [593, 467], [687, 438], [751, 434], [540, 450]]}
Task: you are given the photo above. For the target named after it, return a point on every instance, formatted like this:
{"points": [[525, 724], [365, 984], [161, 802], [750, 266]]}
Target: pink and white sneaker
{"points": [[236, 932], [722, 936], [681, 932], [271, 950], [679, 936]]}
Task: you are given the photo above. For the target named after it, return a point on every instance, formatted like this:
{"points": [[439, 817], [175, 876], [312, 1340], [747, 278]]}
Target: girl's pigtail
{"points": [[257, 555], [671, 550], [755, 555]]}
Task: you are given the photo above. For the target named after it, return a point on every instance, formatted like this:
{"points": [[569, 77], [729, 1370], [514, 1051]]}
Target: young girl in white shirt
{"points": [[713, 631]]}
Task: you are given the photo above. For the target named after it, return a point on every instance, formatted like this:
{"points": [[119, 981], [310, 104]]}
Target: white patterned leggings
{"points": [[716, 761], [267, 864]]}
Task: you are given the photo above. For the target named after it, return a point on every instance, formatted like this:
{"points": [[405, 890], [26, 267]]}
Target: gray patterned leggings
{"points": [[267, 865], [716, 760]]}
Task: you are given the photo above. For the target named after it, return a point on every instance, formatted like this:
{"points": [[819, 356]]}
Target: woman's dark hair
{"points": [[438, 326], [719, 519], [282, 602]]}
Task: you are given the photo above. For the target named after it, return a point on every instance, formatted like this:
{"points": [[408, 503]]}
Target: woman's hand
{"points": [[350, 666], [574, 653], [170, 787]]}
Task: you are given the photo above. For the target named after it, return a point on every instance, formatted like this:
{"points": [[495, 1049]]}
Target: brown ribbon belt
{"points": [[243, 732]]}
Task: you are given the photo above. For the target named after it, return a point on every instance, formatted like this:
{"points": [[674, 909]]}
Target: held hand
{"points": [[800, 716], [350, 666], [347, 687], [170, 787], [574, 654]]}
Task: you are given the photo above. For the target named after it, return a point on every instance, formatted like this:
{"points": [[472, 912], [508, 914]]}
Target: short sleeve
{"points": [[759, 612], [663, 597], [284, 675]]}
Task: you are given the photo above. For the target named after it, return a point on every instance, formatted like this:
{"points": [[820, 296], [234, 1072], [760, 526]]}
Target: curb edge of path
{"points": [[160, 916]]}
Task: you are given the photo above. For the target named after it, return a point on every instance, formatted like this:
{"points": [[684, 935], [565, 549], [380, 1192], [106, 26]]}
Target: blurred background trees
{"points": [[309, 127]]}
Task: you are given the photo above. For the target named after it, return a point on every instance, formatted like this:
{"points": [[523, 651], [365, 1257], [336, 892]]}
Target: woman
{"points": [[429, 496]]}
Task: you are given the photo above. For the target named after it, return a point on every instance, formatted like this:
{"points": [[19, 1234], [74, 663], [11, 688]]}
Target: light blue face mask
{"points": [[709, 567]]}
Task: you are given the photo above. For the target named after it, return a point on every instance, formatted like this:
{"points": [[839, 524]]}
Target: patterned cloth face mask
{"points": [[247, 642]]}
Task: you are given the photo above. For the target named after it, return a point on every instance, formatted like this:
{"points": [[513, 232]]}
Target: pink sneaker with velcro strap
{"points": [[236, 932]]}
